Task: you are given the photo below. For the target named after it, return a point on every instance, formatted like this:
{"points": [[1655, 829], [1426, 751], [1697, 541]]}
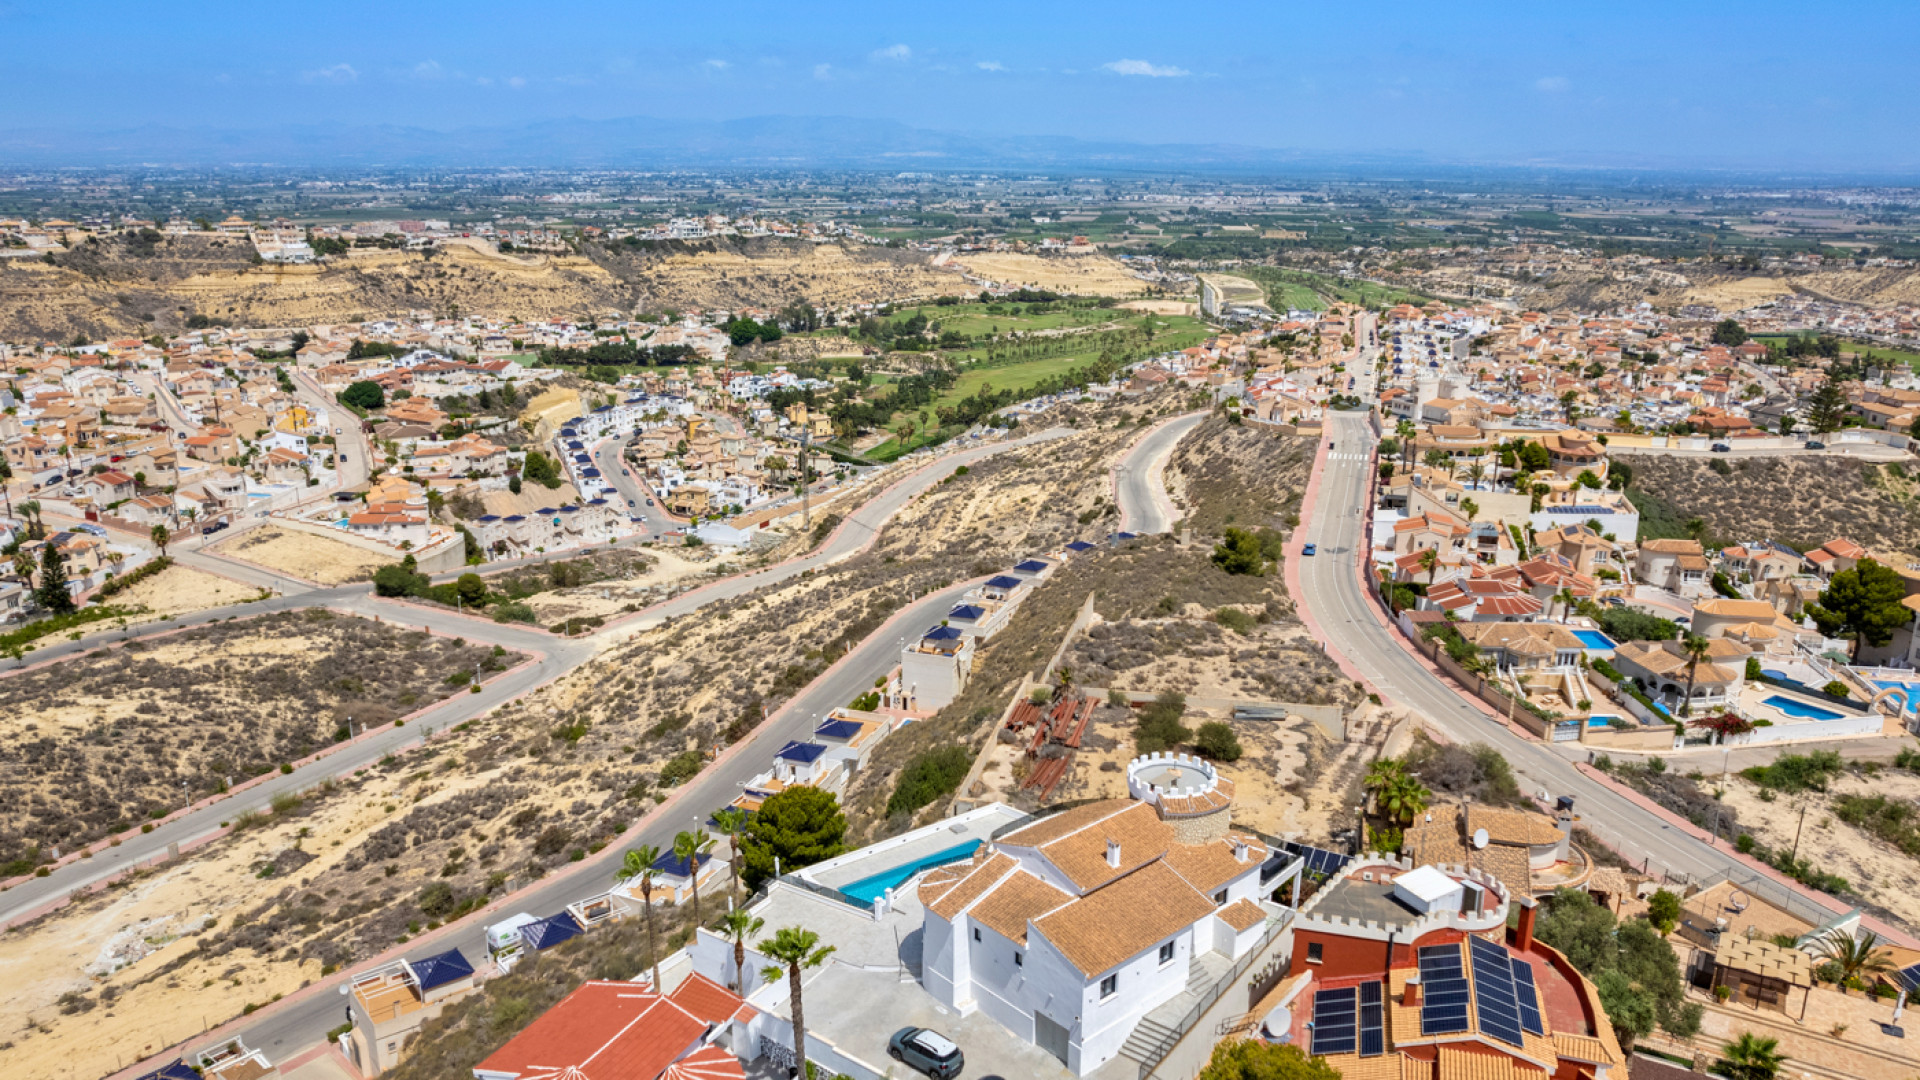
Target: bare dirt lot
{"points": [[303, 555], [1800, 501], [180, 589], [1084, 275], [96, 744]]}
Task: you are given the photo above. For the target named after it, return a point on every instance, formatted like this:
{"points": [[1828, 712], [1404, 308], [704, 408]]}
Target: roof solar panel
{"points": [[1907, 978], [1319, 860], [1373, 1036], [1528, 997], [1496, 1008], [1333, 1021]]}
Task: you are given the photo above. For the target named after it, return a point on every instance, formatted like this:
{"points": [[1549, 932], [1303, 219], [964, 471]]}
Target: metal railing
{"points": [[1179, 1030]]}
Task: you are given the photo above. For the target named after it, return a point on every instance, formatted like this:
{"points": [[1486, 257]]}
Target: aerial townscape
{"points": [[536, 549]]}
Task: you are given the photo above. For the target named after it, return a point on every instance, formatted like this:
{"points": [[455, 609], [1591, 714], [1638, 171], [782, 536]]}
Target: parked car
{"points": [[1721, 448], [209, 530], [1816, 444], [649, 502], [926, 1050], [1309, 549], [1613, 601]]}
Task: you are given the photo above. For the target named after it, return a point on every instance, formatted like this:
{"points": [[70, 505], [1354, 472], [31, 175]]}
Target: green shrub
{"points": [[682, 768], [513, 611], [928, 777], [1160, 727], [1216, 740], [1235, 620]]}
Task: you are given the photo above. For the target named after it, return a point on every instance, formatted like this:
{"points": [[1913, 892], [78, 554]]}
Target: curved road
{"points": [[303, 1019], [1331, 591], [1138, 480]]}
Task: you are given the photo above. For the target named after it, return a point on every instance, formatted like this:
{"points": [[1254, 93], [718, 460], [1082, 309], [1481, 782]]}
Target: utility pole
{"points": [[1795, 857]]}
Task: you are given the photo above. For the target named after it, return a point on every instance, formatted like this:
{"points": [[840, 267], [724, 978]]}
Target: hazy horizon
{"points": [[1758, 87]]}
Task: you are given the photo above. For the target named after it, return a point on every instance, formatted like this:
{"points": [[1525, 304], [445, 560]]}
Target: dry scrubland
{"points": [[353, 866], [1152, 600], [180, 589], [1804, 501], [99, 743], [1087, 275], [120, 286], [303, 555]]}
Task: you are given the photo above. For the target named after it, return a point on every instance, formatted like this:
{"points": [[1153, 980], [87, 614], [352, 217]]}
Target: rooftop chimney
{"points": [[1239, 849], [1113, 854], [1523, 937], [1411, 996]]}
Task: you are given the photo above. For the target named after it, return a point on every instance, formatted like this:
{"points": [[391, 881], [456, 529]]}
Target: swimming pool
{"points": [[1594, 639], [1911, 691], [1600, 721], [1800, 709], [870, 888]]}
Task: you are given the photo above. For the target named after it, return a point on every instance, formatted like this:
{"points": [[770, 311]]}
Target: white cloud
{"points": [[427, 69], [717, 65], [893, 52], [516, 82], [823, 72], [1553, 84], [991, 65], [1142, 67], [338, 73]]}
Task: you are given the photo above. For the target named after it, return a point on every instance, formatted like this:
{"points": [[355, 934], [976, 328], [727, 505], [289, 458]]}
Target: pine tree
{"points": [[1828, 407], [51, 593]]}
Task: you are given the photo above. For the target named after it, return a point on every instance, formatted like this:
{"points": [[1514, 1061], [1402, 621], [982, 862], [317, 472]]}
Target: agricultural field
{"points": [[1307, 291], [986, 320]]}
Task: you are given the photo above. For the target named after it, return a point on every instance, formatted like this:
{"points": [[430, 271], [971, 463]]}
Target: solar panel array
{"points": [[1373, 1028], [1907, 978], [1495, 1003], [1333, 1021], [1319, 860], [1529, 997], [1444, 995]]}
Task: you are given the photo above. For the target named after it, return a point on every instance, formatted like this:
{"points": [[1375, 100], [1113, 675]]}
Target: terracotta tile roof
{"points": [[1014, 901], [1461, 1063], [707, 1063], [1383, 1067], [1080, 851], [1513, 826], [1242, 915], [1053, 828], [1104, 929], [707, 999], [1209, 866], [972, 887], [602, 1031]]}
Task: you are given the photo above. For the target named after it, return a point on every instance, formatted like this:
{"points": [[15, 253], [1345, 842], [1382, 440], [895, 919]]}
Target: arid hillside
{"points": [[1242, 475], [122, 285], [1803, 501]]}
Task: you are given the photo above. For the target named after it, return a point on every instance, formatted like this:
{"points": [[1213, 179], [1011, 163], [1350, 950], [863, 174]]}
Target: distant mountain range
{"points": [[771, 142]]}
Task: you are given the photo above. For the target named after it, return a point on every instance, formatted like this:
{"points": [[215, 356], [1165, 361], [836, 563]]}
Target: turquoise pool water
{"points": [[1912, 691], [1801, 709], [1594, 639], [868, 889], [1599, 721]]}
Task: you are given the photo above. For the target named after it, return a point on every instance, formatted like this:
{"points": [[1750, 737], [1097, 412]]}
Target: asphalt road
{"points": [[606, 457], [1331, 590], [1141, 492], [281, 1032]]}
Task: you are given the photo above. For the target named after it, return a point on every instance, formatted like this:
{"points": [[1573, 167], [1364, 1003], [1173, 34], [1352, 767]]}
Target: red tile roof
{"points": [[602, 1031]]}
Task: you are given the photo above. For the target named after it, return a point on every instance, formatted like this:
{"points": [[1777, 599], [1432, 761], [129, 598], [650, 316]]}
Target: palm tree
{"points": [[31, 511], [1383, 772], [1430, 562], [731, 822], [1476, 472], [1696, 648], [1404, 798], [1565, 596], [737, 926], [1469, 507], [1407, 431], [1750, 1057], [639, 864], [159, 535], [6, 484], [1856, 955], [690, 846], [795, 948]]}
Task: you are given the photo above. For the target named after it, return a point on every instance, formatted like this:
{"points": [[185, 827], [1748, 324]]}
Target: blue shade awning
{"points": [[440, 969], [550, 931]]}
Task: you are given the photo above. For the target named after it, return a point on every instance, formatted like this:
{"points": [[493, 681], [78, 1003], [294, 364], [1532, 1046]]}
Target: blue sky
{"points": [[1823, 86]]}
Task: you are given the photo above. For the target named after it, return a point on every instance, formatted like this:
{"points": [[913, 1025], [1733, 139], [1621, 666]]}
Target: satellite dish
{"points": [[1479, 839]]}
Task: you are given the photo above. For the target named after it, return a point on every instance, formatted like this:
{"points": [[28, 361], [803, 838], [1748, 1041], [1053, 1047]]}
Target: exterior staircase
{"points": [[1161, 1029]]}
